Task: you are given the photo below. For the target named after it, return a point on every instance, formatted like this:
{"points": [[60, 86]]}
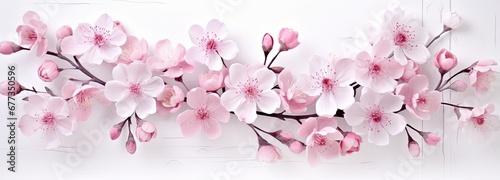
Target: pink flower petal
{"points": [[390, 102], [58, 106], [110, 52], [355, 114], [227, 49], [69, 45], [269, 101], [418, 83], [237, 73], [265, 78], [196, 54], [382, 48], [30, 15], [153, 86], [138, 72], [145, 107], [65, 126], [195, 33], [246, 111], [28, 125], [326, 105], [197, 97], [307, 128], [218, 28], [394, 123], [214, 61], [285, 80], [344, 69], [399, 56], [68, 89], [190, 126], [212, 129], [49, 136], [83, 113], [41, 48], [231, 100], [126, 106], [378, 136], [312, 156], [115, 90], [92, 56], [173, 72], [105, 22], [419, 54], [344, 96], [118, 38]]}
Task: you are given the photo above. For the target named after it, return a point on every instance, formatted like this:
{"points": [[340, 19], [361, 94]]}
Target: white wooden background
{"points": [[324, 27]]}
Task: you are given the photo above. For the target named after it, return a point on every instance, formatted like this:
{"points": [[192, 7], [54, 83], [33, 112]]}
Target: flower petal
{"points": [[394, 123], [105, 22], [68, 89], [69, 45], [237, 74], [390, 102], [265, 78], [49, 136], [92, 56], [212, 129], [218, 28], [153, 86], [214, 61], [196, 32], [418, 53], [116, 90], [355, 114], [219, 113], [378, 136], [146, 107], [344, 96], [28, 125], [231, 99], [247, 111], [138, 72], [110, 52], [344, 69], [117, 37], [307, 128], [190, 126], [196, 54], [326, 105], [197, 97], [126, 106], [269, 101], [65, 126], [227, 50]]}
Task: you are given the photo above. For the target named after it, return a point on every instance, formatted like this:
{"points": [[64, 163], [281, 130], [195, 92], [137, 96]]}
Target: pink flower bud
{"points": [[430, 138], [283, 136], [116, 130], [63, 32], [411, 70], [288, 39], [350, 143], [267, 43], [171, 96], [268, 153], [445, 60], [296, 147], [13, 88], [414, 148], [145, 131], [212, 80], [451, 20], [8, 47], [118, 25], [130, 145], [48, 71], [458, 86]]}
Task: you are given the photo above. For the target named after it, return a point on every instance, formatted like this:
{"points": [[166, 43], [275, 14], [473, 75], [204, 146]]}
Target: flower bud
{"points": [[288, 39], [8, 47], [63, 32], [268, 153], [171, 96], [430, 138], [350, 143], [451, 20], [116, 130], [130, 145], [145, 130], [296, 147], [212, 80], [48, 71], [267, 43], [444, 60], [4, 88], [458, 86], [414, 148]]}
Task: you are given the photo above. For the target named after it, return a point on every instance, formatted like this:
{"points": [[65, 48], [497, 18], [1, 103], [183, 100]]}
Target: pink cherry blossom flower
{"points": [[331, 83], [248, 89], [210, 45], [321, 139], [212, 80], [48, 71], [288, 39], [169, 100], [133, 50], [170, 59], [411, 69], [292, 97], [350, 143], [133, 89], [32, 33], [482, 76], [268, 153], [407, 37], [444, 60], [145, 130], [206, 114], [48, 114], [8, 47], [81, 99], [480, 122], [374, 115], [378, 72], [95, 43], [418, 101]]}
